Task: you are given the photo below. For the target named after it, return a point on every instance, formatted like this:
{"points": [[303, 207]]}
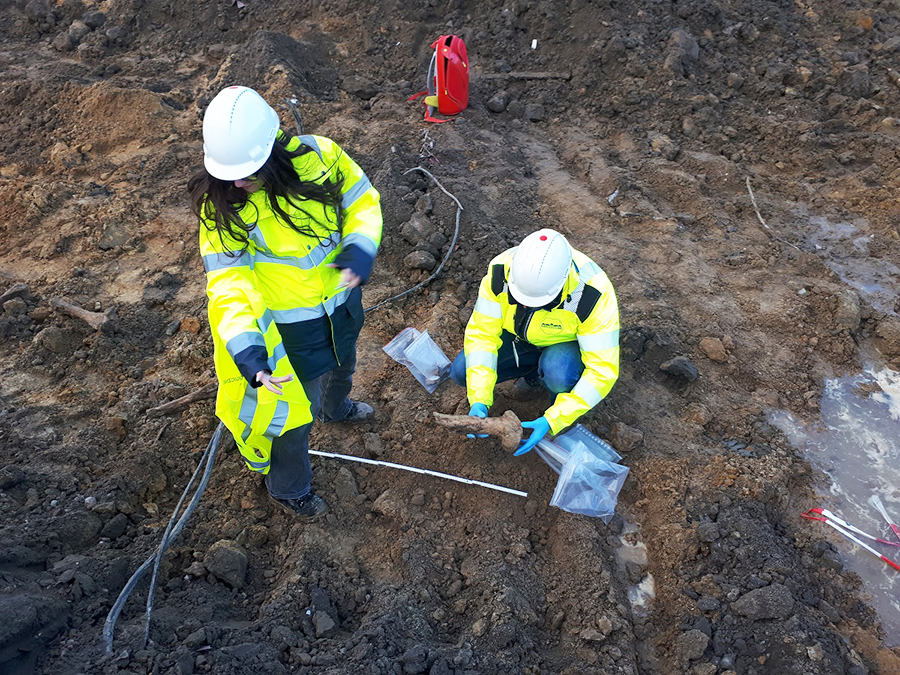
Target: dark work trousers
{"points": [[290, 474]]}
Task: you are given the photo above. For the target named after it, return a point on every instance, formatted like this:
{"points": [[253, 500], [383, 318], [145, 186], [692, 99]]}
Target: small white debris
{"points": [[534, 44], [802, 291], [90, 502], [609, 200]]}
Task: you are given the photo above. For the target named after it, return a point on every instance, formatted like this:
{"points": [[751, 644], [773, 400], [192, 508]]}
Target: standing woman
{"points": [[289, 228]]}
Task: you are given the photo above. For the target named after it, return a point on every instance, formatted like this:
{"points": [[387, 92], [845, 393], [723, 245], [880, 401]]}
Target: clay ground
{"points": [[640, 155]]}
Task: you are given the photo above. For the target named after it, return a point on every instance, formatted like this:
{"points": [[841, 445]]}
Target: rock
{"points": [[707, 603], [15, 307], [498, 102], [228, 562], [418, 229], [592, 635], [115, 527], [360, 87], [769, 602], [115, 34], [704, 669], [391, 505], [81, 528], [847, 313], [94, 19], [534, 112], [196, 639], [854, 82], [196, 569], [708, 532], [10, 476], [345, 484], [683, 52], [37, 9], [420, 260], [887, 336], [77, 30], [698, 414], [662, 145], [681, 367], [691, 644], [114, 235], [714, 349], [325, 625], [634, 571], [372, 444], [63, 43], [604, 625], [453, 589], [415, 660], [625, 438], [116, 426]]}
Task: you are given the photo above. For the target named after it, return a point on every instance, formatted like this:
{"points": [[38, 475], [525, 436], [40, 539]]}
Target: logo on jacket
{"points": [[551, 326]]}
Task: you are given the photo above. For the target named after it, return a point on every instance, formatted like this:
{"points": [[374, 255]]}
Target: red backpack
{"points": [[448, 79]]}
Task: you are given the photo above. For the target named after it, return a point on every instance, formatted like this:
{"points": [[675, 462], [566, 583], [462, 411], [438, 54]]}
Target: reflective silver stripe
{"points": [[311, 142], [279, 419], [586, 390], [359, 188], [309, 261], [257, 238], [265, 321], [256, 466], [248, 408], [489, 307], [588, 272], [240, 342], [367, 244], [221, 261], [481, 359], [307, 313], [277, 354], [598, 341]]}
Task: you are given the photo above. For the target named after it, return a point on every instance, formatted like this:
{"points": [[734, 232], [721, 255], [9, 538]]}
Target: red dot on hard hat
{"points": [[543, 237]]}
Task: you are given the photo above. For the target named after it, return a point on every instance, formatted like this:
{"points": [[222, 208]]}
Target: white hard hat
{"points": [[239, 129], [539, 268]]}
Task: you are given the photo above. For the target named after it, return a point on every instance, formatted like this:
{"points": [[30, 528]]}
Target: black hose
{"points": [[173, 529]]}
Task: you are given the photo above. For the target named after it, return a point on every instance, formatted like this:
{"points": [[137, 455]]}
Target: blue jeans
{"points": [[558, 367], [290, 474]]}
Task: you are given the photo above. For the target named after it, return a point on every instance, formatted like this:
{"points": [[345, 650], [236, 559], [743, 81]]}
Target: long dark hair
{"points": [[218, 203]]}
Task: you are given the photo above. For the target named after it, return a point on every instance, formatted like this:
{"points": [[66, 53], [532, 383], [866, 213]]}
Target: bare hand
{"points": [[272, 383], [349, 279]]}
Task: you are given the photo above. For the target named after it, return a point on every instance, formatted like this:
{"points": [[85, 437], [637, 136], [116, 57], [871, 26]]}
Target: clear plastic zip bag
{"points": [[421, 356]]}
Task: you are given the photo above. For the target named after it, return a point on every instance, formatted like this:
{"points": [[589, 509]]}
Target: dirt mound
{"points": [[637, 140]]}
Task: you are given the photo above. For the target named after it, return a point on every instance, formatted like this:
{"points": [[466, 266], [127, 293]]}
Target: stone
{"points": [[391, 505], [534, 112], [373, 445], [324, 624], [418, 229], [887, 336], [854, 82], [15, 307], [63, 43], [681, 367], [115, 527], [708, 532], [37, 9], [196, 639], [227, 561], [345, 484], [420, 260], [691, 644], [592, 635], [196, 569], [498, 102], [698, 414], [625, 438], [714, 349], [94, 19], [682, 53], [663, 146], [81, 528], [847, 314], [707, 603], [360, 87], [634, 571], [769, 602], [77, 30]]}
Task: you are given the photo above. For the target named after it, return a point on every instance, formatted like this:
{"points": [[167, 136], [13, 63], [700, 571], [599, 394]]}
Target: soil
{"points": [[641, 154]]}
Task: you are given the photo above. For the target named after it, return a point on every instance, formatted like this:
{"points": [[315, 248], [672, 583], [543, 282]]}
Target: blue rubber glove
{"points": [[478, 410], [541, 426]]}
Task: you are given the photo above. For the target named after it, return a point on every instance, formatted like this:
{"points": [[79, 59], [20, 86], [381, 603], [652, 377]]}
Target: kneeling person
{"points": [[546, 313]]}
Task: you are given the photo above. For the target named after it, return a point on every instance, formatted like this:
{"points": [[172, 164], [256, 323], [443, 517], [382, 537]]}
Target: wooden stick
{"points": [[95, 320], [524, 75], [204, 392], [508, 427]]}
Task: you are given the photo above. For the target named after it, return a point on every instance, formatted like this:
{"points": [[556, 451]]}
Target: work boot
{"points": [[308, 507], [359, 412]]}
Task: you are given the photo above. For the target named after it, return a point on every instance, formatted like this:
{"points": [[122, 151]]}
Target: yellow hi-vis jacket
{"points": [[588, 313], [282, 277]]}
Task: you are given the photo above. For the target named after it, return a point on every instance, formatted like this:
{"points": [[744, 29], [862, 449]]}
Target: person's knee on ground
{"points": [[458, 369], [560, 367]]}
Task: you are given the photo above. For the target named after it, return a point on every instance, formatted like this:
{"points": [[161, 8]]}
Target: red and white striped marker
{"points": [[832, 521], [875, 501]]}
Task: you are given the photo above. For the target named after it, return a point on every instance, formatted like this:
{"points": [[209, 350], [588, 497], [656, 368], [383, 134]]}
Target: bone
{"points": [[96, 320], [508, 427]]}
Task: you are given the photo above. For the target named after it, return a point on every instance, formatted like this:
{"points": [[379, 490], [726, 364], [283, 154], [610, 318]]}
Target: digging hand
{"points": [[478, 410], [540, 427]]}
